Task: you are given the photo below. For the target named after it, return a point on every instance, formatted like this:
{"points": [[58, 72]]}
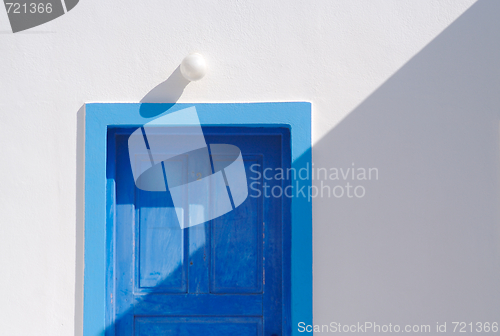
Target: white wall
{"points": [[409, 87]]}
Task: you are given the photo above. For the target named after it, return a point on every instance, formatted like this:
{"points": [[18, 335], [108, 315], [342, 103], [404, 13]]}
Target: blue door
{"points": [[229, 276]]}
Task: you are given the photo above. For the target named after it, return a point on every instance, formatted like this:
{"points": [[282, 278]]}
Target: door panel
{"points": [[161, 249], [213, 326], [237, 243], [223, 277], [162, 260]]}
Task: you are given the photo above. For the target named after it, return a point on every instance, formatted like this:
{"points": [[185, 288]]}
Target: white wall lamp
{"points": [[193, 67]]}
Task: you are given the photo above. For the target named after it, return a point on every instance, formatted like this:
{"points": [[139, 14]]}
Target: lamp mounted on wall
{"points": [[193, 67]]}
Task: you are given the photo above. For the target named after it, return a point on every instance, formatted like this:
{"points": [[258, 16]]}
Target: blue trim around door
{"points": [[98, 210]]}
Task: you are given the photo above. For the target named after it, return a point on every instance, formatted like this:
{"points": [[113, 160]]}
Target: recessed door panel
{"points": [[189, 326], [237, 243]]}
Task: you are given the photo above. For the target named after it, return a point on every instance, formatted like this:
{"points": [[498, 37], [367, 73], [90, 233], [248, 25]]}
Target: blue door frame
{"points": [[99, 212]]}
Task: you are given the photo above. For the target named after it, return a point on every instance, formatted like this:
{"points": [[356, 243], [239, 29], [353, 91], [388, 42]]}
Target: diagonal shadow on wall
{"points": [[422, 245]]}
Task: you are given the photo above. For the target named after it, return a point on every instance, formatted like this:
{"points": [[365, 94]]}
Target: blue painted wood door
{"points": [[224, 277]]}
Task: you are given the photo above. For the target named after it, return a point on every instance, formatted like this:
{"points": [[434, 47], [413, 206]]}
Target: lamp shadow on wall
{"points": [[168, 92]]}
